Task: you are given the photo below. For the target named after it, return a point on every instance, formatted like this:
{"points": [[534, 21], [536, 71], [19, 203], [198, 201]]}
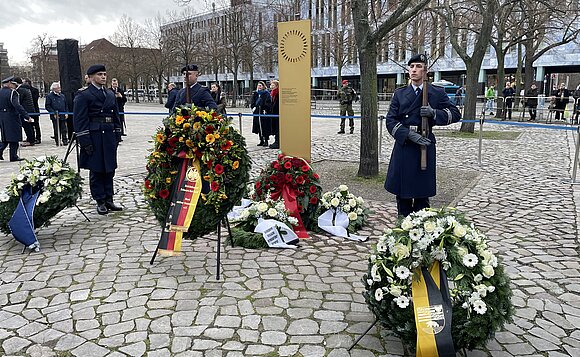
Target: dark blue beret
{"points": [[189, 67], [96, 68], [418, 58], [8, 80]]}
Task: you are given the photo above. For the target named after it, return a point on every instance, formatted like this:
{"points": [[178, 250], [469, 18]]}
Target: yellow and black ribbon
{"points": [[433, 312]]}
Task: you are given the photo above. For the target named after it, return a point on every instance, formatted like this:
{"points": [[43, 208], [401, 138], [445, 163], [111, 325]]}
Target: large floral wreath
{"points": [[296, 174], [60, 187], [479, 288], [225, 165]]}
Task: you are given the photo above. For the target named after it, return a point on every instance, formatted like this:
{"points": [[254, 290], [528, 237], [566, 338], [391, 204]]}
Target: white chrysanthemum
{"points": [[4, 197], [262, 207], [470, 260], [439, 253], [406, 224], [401, 251], [429, 226], [352, 216], [395, 290], [422, 244], [487, 271], [346, 208], [370, 282], [479, 307], [343, 188], [293, 220], [375, 273], [459, 230], [415, 234], [402, 301], [438, 231], [381, 247], [402, 272], [20, 177], [379, 294], [335, 202], [272, 212]]}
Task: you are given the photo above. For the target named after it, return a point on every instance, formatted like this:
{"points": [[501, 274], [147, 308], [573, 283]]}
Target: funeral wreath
{"points": [[341, 199], [59, 185], [478, 286], [224, 162]]}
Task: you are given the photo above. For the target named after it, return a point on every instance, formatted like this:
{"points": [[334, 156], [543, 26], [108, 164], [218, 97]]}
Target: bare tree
{"points": [[157, 53], [40, 53], [340, 45], [130, 35], [372, 23]]}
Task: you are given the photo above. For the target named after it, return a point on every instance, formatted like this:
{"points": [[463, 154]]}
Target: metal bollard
{"points": [[240, 122], [57, 135], [381, 118], [480, 137], [575, 167]]}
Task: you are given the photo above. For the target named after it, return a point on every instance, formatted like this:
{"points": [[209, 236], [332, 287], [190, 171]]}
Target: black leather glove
{"points": [[88, 149], [427, 111], [418, 138]]}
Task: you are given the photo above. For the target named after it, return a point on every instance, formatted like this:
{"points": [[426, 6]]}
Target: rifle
{"points": [[424, 124]]}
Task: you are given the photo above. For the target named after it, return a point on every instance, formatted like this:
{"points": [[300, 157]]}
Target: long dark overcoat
{"points": [[10, 113], [404, 176]]}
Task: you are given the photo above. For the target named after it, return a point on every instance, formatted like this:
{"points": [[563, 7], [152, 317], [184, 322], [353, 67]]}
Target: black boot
{"points": [[101, 208], [111, 206], [261, 141], [266, 141], [275, 144], [341, 131]]}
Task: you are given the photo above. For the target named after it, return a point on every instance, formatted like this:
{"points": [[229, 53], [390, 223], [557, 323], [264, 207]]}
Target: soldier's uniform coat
{"points": [[404, 176], [10, 113], [92, 107], [198, 95]]}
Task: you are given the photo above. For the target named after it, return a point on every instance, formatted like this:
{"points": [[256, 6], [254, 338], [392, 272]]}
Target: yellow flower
{"points": [[189, 143], [179, 120], [186, 126], [196, 125], [235, 165], [160, 137], [226, 130], [181, 139], [207, 177], [168, 180], [173, 172], [216, 135], [210, 138]]}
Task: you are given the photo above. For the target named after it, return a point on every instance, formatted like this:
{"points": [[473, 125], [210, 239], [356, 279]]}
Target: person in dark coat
{"points": [[28, 104], [532, 101], [508, 100], [98, 130], [261, 104], [121, 100], [275, 110], [56, 102], [171, 96], [198, 94], [10, 123], [561, 98], [36, 117], [405, 179], [218, 97]]}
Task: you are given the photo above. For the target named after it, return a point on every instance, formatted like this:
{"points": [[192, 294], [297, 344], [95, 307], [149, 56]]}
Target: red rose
{"points": [[300, 180], [169, 150], [148, 184], [313, 200], [280, 156], [219, 169], [305, 168], [276, 165], [173, 141], [214, 114], [214, 186], [259, 192], [164, 193], [288, 177], [300, 208], [267, 186], [186, 116], [296, 162], [198, 154], [273, 178], [287, 165], [315, 175], [227, 145], [209, 164], [300, 194], [209, 129], [258, 184], [313, 189]]}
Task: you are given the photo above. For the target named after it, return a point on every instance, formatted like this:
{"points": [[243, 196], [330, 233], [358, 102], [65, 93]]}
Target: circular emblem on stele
{"points": [[293, 46]]}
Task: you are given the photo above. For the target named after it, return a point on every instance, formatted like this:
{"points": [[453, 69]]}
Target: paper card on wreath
{"points": [[335, 222], [271, 229]]}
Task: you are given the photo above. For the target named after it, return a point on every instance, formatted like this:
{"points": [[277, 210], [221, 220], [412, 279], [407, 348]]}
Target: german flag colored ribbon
{"points": [[433, 312], [184, 197]]}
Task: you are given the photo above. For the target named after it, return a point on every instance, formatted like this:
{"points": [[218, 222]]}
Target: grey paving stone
{"points": [[89, 349], [14, 344], [134, 349]]}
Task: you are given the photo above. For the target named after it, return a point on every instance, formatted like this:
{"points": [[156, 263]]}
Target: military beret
{"points": [[8, 80], [418, 58], [344, 81], [96, 68], [189, 67]]}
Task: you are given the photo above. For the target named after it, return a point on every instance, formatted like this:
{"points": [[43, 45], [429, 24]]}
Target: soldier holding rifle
{"points": [[412, 184]]}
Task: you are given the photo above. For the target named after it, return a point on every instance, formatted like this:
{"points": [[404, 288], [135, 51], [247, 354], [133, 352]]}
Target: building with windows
{"points": [[4, 65]]}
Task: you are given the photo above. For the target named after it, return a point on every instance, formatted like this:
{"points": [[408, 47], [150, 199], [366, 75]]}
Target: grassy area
{"points": [[487, 134]]}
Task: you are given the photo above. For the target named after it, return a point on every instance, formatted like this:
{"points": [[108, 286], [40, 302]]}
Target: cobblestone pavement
{"points": [[91, 290]]}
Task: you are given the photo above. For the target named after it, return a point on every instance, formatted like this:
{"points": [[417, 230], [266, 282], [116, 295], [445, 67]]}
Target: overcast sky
{"points": [[84, 20]]}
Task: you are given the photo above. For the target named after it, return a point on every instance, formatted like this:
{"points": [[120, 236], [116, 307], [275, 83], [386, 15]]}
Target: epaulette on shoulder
{"points": [[83, 88]]}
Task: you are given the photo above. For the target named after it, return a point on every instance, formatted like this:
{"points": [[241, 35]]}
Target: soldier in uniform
{"points": [[346, 95], [198, 94], [405, 179], [10, 113], [98, 131]]}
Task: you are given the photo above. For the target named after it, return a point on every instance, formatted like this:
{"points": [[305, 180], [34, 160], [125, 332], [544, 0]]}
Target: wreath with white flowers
{"points": [[478, 286], [60, 187], [243, 233], [341, 199]]}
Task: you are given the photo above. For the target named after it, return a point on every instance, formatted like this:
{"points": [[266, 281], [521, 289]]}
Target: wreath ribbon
{"points": [[433, 312], [289, 196]]}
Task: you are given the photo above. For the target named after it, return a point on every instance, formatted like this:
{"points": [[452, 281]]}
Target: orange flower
{"points": [[210, 138], [186, 126], [160, 137], [189, 143], [196, 125], [179, 120], [235, 165], [168, 180], [181, 139]]}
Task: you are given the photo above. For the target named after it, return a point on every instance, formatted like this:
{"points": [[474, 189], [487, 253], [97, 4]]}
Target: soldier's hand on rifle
{"points": [[427, 111], [418, 138], [88, 149]]}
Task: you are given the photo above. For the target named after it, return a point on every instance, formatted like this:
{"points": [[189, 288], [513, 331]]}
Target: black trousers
{"points": [[101, 184], [59, 129], [13, 149], [29, 131], [406, 206], [36, 126], [532, 111]]}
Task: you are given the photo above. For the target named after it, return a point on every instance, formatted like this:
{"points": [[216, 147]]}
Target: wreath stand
{"points": [[225, 221], [363, 335], [73, 145]]}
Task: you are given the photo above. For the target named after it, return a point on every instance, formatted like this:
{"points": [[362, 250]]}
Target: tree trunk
{"points": [[369, 155], [160, 87], [500, 81], [470, 100], [529, 69], [235, 89], [518, 78]]}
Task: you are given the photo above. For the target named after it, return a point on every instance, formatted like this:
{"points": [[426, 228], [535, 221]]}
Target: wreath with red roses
{"points": [[295, 175]]}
